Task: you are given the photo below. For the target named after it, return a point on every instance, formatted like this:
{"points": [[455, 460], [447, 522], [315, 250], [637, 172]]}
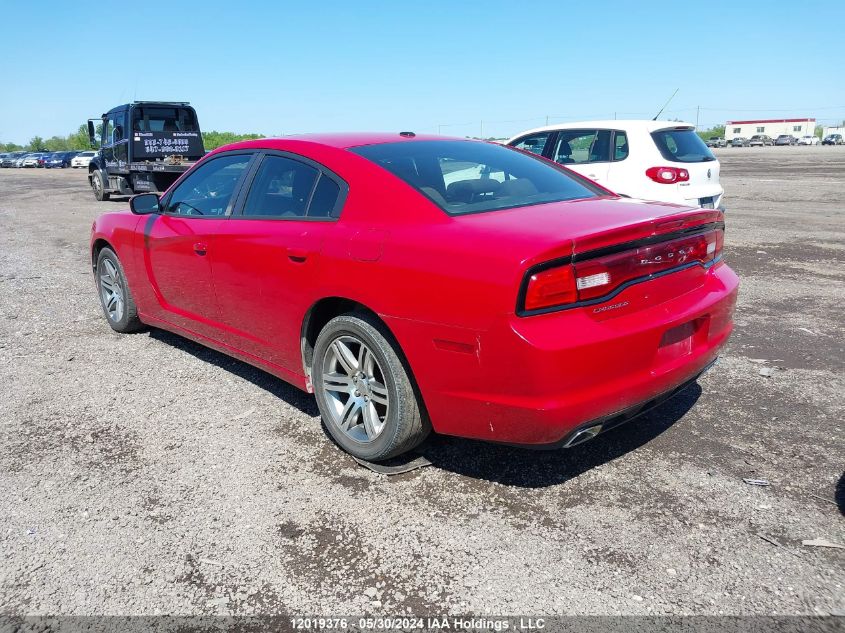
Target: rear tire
{"points": [[115, 297], [364, 389], [99, 186]]}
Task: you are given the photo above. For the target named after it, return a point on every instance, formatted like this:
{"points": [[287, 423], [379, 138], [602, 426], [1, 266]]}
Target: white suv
{"points": [[652, 160], [82, 159]]}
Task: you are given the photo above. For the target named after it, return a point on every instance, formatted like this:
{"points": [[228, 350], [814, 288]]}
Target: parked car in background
{"points": [[833, 139], [716, 141], [480, 299], [760, 140], [649, 160], [786, 139], [59, 160], [82, 159], [739, 141], [809, 140], [33, 160], [11, 158]]}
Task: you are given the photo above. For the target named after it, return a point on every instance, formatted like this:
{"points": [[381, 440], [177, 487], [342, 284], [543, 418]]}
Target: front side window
{"points": [[535, 143], [207, 190], [682, 146], [582, 146], [470, 177]]}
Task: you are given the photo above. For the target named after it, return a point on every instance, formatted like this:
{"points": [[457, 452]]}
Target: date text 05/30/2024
{"points": [[403, 623]]}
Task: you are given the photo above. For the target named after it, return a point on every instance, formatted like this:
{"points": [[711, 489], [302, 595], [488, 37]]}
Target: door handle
{"points": [[297, 255], [200, 248]]}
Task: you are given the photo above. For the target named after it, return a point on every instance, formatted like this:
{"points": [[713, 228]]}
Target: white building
{"points": [[833, 130], [770, 127]]}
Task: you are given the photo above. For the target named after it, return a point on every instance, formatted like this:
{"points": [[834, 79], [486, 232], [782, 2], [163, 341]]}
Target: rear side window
{"points": [[324, 200], [682, 146], [287, 188], [464, 177], [535, 143], [620, 146], [582, 146], [281, 188]]}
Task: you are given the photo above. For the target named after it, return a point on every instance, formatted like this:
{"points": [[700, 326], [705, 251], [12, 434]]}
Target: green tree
{"points": [[56, 143], [214, 139], [79, 139], [10, 147], [36, 144], [717, 130]]}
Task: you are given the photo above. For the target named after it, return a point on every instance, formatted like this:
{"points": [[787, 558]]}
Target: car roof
{"points": [[342, 140], [614, 124]]}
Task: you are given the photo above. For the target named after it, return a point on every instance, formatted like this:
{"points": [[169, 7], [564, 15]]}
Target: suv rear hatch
{"points": [[696, 168]]}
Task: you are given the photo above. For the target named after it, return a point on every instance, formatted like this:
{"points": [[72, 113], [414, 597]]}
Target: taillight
{"points": [[594, 278], [667, 175], [551, 287]]}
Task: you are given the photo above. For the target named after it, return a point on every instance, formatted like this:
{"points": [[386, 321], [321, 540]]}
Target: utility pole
{"points": [[482, 129], [697, 108], [547, 119], [439, 128]]}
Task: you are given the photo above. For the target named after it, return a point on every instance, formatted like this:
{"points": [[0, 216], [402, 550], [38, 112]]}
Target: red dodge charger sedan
{"points": [[416, 283]]}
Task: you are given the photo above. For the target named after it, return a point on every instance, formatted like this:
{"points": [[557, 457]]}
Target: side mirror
{"points": [[92, 137], [144, 204]]}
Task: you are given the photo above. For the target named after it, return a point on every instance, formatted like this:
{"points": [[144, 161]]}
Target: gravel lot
{"points": [[144, 474]]}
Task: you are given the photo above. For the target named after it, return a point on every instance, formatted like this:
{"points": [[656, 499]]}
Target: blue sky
{"points": [[287, 67]]}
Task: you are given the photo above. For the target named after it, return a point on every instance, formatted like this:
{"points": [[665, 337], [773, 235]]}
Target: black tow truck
{"points": [[144, 146]]}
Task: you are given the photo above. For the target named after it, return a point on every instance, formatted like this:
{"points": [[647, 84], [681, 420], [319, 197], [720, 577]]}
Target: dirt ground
{"points": [[144, 474]]}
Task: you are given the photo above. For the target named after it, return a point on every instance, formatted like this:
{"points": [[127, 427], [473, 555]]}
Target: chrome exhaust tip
{"points": [[583, 435]]}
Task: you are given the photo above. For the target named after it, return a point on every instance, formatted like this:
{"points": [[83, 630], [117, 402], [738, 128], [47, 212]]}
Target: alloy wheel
{"points": [[355, 389], [111, 290]]}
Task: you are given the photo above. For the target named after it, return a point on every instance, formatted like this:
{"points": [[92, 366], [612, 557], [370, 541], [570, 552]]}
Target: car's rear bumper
{"points": [[537, 380]]}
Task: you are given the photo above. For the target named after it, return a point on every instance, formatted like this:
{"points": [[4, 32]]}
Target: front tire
{"points": [[115, 297], [99, 186], [364, 391]]}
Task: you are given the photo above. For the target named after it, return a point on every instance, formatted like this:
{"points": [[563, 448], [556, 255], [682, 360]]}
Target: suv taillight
{"points": [[594, 278], [667, 175]]}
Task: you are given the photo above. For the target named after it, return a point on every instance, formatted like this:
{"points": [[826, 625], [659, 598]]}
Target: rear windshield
{"points": [[682, 146], [163, 119], [471, 177]]}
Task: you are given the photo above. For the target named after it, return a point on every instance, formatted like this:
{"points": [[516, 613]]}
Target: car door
{"points": [[622, 176], [585, 151], [267, 256], [179, 242]]}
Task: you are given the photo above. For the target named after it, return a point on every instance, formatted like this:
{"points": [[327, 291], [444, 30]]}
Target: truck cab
{"points": [[144, 146]]}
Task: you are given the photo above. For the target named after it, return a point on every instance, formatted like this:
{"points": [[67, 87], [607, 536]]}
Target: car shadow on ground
{"points": [[506, 465], [260, 378], [529, 468]]}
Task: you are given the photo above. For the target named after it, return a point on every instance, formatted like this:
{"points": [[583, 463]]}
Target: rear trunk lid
{"points": [[538, 233]]}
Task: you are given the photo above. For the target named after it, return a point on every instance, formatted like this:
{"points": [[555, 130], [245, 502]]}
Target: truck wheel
{"points": [[99, 186]]}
